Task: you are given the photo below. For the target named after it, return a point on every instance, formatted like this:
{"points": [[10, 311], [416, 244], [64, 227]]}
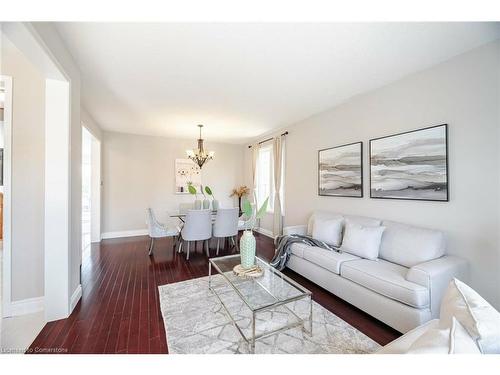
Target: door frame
{"points": [[7, 200]]}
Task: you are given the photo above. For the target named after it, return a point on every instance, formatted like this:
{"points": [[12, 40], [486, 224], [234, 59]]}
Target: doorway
{"points": [[91, 191]]}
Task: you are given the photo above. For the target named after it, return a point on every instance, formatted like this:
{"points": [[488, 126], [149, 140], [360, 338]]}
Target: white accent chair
{"points": [[197, 227], [245, 224], [157, 229], [226, 226]]}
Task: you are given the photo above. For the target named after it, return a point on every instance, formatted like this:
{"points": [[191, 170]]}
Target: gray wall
{"points": [[138, 172], [50, 37], [28, 155], [463, 92]]}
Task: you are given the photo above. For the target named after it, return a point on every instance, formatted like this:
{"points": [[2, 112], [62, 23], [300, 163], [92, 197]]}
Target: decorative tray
{"points": [[250, 273]]}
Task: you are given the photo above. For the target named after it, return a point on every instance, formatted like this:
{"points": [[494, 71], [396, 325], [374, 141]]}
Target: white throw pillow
{"points": [[453, 340], [362, 241], [478, 317], [328, 230]]}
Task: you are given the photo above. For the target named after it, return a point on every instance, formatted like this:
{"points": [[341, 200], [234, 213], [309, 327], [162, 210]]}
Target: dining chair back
{"points": [[226, 225], [197, 227]]}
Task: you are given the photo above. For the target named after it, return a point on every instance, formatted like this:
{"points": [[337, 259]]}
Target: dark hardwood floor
{"points": [[120, 312]]}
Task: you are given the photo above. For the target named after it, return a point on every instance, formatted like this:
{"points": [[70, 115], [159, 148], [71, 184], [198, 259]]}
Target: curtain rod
{"points": [[269, 139]]}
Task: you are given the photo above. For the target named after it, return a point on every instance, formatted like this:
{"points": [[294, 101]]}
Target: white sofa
{"points": [[403, 287]]}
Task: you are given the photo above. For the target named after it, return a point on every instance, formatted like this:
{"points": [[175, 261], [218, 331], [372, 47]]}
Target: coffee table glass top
{"points": [[273, 288]]}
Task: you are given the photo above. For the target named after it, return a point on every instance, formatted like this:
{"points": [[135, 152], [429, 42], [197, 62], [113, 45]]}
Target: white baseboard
{"points": [[125, 233], [24, 306], [75, 297], [265, 232]]}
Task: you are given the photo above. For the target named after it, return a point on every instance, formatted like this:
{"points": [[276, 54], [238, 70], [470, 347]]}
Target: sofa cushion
{"points": [[453, 340], [324, 215], [387, 279], [361, 240], [408, 246], [328, 230], [298, 248], [480, 319], [403, 343], [363, 220], [327, 259]]}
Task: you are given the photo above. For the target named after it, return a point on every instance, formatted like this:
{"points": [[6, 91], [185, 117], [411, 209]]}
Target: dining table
{"points": [[182, 215]]}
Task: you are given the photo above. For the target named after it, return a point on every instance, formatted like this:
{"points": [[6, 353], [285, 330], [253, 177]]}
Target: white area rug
{"points": [[195, 322]]}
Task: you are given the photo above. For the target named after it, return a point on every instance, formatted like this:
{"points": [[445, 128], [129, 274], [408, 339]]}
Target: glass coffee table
{"points": [[267, 293]]}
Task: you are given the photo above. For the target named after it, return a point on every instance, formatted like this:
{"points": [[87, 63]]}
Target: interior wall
{"points": [[462, 92], [28, 155], [138, 172], [90, 124], [50, 38]]}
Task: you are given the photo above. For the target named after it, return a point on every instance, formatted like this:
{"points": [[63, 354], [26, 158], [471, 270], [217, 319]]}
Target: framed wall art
{"points": [[411, 165], [186, 172], [340, 171]]}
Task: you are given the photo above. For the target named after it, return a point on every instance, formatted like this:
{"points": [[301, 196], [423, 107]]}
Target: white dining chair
{"points": [[197, 227], [158, 230], [226, 225]]}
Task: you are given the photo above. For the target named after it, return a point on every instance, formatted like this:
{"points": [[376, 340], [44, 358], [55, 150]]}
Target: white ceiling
{"points": [[244, 80]]}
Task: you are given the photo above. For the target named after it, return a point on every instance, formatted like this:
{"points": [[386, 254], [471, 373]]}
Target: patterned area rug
{"points": [[195, 323]]}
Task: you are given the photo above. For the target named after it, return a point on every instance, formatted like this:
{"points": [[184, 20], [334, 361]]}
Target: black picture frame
{"points": [[361, 190], [447, 166]]}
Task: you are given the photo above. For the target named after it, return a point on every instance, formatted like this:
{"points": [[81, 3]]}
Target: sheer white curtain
{"points": [[255, 158], [278, 168]]}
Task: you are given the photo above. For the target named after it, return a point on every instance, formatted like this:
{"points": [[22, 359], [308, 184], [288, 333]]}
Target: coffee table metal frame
{"points": [[299, 322]]}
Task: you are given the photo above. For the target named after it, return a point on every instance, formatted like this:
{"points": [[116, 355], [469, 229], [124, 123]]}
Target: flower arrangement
{"points": [[240, 192]]}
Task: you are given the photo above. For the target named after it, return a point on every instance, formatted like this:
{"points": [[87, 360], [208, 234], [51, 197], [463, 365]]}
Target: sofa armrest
{"points": [[435, 275], [295, 229]]}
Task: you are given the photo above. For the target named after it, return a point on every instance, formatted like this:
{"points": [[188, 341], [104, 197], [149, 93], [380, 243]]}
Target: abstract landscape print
{"points": [[340, 171], [411, 165]]}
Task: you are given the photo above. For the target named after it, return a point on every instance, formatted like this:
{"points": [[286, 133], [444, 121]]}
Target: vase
{"points": [[197, 204], [247, 249], [206, 204], [215, 205]]}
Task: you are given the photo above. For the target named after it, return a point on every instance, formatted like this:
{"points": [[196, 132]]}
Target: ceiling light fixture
{"points": [[199, 156]]}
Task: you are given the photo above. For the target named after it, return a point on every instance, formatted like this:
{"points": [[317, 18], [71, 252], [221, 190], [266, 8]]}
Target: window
{"points": [[265, 176], [265, 181]]}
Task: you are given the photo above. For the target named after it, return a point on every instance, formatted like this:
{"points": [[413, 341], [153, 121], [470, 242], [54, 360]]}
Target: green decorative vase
{"points": [[206, 204], [247, 249]]}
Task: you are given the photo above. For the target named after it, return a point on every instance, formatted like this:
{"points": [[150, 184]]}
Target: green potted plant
{"points": [[206, 201], [247, 240], [215, 203]]}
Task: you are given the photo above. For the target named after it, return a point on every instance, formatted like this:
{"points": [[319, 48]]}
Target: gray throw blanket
{"points": [[283, 246]]}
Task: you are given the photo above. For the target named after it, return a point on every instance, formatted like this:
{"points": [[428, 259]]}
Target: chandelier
{"points": [[199, 156]]}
